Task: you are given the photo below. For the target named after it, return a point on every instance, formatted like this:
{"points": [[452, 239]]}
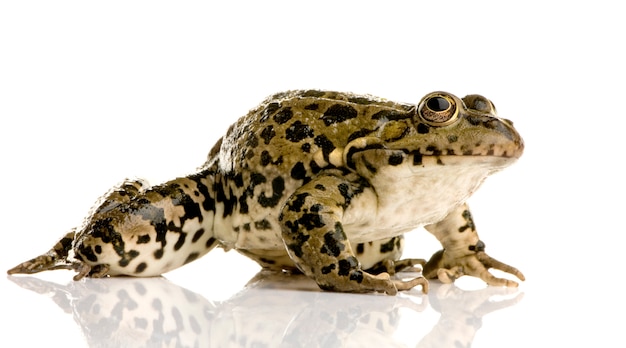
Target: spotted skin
{"points": [[320, 182]]}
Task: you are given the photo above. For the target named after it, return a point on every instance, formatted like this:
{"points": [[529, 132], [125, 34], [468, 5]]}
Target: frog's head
{"points": [[441, 130]]}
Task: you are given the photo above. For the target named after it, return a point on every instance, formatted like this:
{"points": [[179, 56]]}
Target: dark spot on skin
{"points": [[269, 110], [296, 204], [320, 187], [391, 115], [88, 253], [229, 201], [278, 186], [480, 246], [246, 227], [267, 134], [197, 235], [417, 158], [243, 203], [306, 147], [345, 266], [312, 106], [257, 179], [325, 144], [433, 149], [357, 276], [211, 243], [298, 171], [238, 179], [208, 203], [127, 257], [469, 222], [333, 242], [388, 246], [98, 249], [452, 138], [299, 240], [283, 115], [252, 141], [396, 159], [337, 113], [422, 128], [141, 267], [191, 257], [344, 189], [311, 221], [265, 158], [316, 208], [360, 248], [298, 132], [158, 254], [328, 269], [263, 225], [143, 239], [181, 241]]}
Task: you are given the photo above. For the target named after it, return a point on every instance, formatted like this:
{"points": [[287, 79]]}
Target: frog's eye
{"points": [[438, 109], [479, 103]]}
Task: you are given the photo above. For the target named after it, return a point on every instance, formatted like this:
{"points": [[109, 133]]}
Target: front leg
{"points": [[312, 230], [463, 253]]}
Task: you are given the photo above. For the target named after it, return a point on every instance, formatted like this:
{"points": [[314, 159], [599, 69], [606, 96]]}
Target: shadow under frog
{"points": [[268, 312]]}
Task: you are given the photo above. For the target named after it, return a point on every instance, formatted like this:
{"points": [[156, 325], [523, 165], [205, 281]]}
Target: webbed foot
{"points": [[448, 268]]}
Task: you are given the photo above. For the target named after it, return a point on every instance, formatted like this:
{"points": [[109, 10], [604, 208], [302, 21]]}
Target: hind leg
{"points": [[55, 258], [313, 234]]}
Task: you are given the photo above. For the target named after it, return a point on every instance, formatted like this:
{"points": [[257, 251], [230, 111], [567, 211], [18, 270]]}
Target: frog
{"points": [[323, 183]]}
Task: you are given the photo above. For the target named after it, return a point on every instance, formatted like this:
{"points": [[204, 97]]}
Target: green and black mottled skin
{"points": [[320, 182]]}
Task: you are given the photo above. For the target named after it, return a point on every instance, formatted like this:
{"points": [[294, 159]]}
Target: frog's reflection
{"points": [[273, 310]]}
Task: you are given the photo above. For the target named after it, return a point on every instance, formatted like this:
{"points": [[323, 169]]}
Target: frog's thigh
{"points": [[315, 239]]}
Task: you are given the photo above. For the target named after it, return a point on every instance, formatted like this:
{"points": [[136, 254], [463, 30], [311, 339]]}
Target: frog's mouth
{"points": [[375, 155], [487, 161]]}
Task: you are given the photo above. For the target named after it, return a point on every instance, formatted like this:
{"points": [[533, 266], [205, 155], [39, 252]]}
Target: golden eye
{"points": [[438, 109]]}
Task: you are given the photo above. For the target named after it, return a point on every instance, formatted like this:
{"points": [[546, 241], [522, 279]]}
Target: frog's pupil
{"points": [[438, 104]]}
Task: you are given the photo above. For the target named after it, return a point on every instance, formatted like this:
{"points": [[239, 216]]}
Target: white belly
{"points": [[405, 197]]}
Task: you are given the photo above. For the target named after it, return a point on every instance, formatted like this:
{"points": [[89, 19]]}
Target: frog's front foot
{"points": [[383, 283], [447, 267]]}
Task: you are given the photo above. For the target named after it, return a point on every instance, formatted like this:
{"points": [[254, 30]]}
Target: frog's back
{"points": [[296, 132]]}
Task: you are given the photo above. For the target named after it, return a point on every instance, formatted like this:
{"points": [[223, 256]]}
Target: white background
{"points": [[93, 92]]}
